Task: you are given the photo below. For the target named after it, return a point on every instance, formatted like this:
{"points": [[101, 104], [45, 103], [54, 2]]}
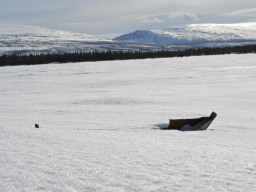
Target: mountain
{"points": [[21, 39], [197, 35]]}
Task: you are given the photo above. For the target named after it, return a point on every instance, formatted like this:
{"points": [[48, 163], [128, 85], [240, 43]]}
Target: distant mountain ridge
{"points": [[19, 39], [197, 35]]}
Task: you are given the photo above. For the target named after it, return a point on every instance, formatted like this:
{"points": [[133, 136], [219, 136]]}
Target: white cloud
{"points": [[183, 17], [152, 20], [243, 12]]}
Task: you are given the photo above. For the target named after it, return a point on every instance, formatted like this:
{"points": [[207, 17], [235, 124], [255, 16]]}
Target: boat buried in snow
{"points": [[198, 124]]}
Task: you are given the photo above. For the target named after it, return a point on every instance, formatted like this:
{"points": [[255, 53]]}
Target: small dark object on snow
{"points": [[198, 124], [36, 126]]}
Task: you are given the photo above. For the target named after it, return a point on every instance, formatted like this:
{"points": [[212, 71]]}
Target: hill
{"points": [[197, 35], [19, 39]]}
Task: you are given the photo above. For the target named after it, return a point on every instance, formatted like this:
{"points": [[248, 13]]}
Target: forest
{"points": [[35, 59]]}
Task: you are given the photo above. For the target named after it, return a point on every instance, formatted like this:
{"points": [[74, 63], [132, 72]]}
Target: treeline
{"points": [[34, 59]]}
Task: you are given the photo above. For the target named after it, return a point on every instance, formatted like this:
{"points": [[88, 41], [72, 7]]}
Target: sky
{"points": [[123, 16]]}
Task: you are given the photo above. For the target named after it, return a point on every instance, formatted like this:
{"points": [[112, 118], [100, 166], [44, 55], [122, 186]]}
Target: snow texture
{"points": [[99, 125], [19, 39], [197, 35]]}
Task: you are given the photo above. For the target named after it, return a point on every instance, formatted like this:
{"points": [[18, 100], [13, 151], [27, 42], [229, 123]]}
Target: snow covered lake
{"points": [[98, 125]]}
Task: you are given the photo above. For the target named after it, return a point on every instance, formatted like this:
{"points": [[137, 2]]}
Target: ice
{"points": [[99, 125]]}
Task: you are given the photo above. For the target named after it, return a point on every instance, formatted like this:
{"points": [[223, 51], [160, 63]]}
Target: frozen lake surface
{"points": [[99, 125]]}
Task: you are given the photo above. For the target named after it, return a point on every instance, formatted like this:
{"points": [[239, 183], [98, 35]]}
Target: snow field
{"points": [[99, 125]]}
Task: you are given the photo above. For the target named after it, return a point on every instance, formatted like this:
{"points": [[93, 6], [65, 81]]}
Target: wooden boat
{"points": [[198, 124]]}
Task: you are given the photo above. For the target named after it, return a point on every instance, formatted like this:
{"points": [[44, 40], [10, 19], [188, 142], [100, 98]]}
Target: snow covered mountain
{"points": [[29, 39], [197, 35], [21, 39]]}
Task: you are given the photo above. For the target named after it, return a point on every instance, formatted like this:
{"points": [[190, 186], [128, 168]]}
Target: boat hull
{"points": [[197, 124]]}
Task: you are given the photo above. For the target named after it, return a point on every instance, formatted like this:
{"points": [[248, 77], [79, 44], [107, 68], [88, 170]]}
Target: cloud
{"points": [[243, 12], [183, 17], [152, 20], [244, 15], [165, 17], [76, 24], [115, 16]]}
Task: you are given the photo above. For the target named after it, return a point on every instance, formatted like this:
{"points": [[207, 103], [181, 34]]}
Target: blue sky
{"points": [[123, 16]]}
